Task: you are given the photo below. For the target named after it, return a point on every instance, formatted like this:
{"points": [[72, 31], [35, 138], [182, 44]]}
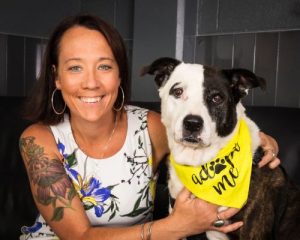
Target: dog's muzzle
{"points": [[192, 126]]}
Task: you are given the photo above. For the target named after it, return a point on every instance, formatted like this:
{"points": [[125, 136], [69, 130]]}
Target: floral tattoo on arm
{"points": [[49, 176]]}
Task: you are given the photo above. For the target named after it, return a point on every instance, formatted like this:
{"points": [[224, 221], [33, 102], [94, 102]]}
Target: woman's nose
{"points": [[91, 80]]}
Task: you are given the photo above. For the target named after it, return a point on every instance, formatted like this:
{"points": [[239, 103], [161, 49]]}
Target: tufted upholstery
{"points": [[16, 203]]}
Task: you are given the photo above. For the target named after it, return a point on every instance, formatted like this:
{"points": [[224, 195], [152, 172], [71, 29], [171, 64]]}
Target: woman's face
{"points": [[87, 73]]}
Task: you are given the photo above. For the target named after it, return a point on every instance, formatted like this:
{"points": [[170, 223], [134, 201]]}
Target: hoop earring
{"points": [[123, 99], [52, 103]]}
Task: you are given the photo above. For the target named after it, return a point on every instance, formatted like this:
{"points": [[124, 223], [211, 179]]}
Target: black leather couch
{"points": [[16, 203]]}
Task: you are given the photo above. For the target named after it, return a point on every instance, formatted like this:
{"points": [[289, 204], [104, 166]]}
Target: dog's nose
{"points": [[193, 123]]}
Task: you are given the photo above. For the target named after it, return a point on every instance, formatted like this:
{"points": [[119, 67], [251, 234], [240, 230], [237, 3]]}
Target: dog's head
{"points": [[199, 103]]}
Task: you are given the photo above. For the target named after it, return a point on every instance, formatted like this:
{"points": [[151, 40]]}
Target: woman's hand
{"points": [[193, 216], [271, 150]]}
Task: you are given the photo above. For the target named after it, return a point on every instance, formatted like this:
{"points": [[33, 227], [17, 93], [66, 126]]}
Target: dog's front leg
{"points": [[174, 186], [215, 235]]}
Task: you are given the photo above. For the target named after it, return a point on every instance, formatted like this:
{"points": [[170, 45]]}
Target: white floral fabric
{"points": [[116, 191]]}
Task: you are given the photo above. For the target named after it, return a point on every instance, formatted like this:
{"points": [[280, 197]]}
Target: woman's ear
{"points": [[54, 72], [57, 84]]}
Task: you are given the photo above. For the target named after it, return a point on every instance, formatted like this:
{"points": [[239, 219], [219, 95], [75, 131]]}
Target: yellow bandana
{"points": [[225, 179]]}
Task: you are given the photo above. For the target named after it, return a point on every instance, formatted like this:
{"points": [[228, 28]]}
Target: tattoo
{"points": [[49, 176]]}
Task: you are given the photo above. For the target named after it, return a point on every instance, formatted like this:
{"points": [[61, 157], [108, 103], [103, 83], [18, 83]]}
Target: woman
{"points": [[90, 158]]}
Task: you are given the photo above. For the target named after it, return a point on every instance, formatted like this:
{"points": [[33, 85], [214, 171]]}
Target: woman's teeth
{"points": [[90, 99]]}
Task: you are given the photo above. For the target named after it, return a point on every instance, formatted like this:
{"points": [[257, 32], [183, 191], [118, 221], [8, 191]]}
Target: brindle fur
{"points": [[272, 210]]}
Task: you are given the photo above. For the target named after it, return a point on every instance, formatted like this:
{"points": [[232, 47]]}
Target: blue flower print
{"points": [[89, 190], [61, 148], [34, 228], [91, 193]]}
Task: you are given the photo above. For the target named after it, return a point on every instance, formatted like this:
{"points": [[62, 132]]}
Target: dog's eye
{"points": [[217, 99], [177, 92]]}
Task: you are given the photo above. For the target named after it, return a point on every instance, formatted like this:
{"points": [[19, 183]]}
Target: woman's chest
{"points": [[114, 191]]}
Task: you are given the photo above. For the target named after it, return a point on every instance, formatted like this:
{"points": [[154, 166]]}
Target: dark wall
{"points": [[34, 18], [263, 36], [24, 26], [154, 36], [247, 15], [117, 12], [19, 63]]}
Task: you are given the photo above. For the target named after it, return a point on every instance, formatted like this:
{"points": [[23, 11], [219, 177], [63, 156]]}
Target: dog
{"points": [[203, 114]]}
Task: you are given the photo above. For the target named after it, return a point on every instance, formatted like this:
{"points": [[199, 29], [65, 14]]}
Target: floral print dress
{"points": [[116, 191]]}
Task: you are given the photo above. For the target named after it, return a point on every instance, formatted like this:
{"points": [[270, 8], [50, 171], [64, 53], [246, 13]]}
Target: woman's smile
{"points": [[91, 99]]}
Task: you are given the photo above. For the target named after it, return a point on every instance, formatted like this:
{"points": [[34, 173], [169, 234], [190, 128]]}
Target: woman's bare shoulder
{"points": [[37, 130], [154, 122], [40, 135], [158, 137]]}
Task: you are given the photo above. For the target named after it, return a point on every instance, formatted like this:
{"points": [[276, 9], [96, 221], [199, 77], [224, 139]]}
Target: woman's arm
{"points": [[59, 204], [158, 137], [271, 150], [190, 216], [53, 192]]}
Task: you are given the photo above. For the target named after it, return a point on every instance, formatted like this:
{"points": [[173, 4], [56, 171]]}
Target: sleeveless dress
{"points": [[116, 191]]}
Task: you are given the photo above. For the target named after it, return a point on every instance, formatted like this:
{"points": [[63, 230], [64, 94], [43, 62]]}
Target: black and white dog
{"points": [[201, 110]]}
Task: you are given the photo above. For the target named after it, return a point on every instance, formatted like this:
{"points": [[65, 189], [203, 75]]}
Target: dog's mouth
{"points": [[193, 141]]}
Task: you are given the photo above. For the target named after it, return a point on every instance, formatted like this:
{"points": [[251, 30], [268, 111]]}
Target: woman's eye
{"points": [[217, 99], [177, 92], [75, 68], [104, 67]]}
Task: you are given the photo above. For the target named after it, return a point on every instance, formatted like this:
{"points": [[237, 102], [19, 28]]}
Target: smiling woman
{"points": [[91, 158], [87, 75]]}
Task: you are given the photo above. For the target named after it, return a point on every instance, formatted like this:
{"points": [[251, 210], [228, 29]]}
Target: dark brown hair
{"points": [[38, 106]]}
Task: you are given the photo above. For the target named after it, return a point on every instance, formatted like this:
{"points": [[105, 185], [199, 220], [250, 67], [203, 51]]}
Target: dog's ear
{"points": [[242, 80], [161, 68]]}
